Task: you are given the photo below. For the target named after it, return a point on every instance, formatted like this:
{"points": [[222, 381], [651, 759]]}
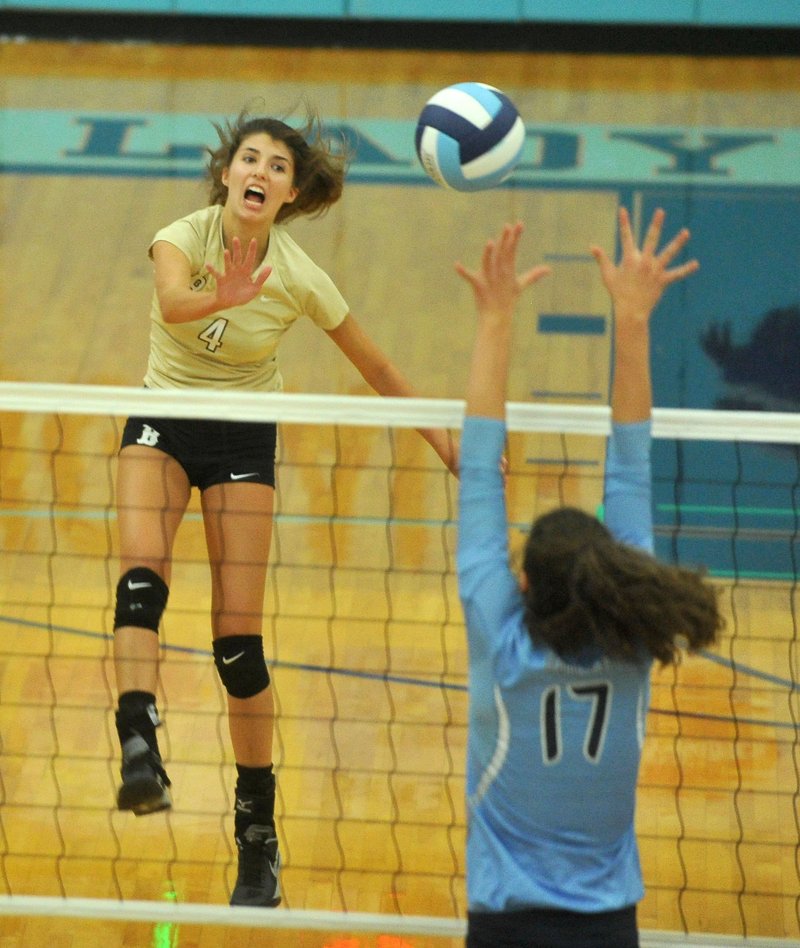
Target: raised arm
{"points": [[496, 286], [487, 586], [635, 285]]}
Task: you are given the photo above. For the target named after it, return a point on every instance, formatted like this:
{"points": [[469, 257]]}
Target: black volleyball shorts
{"points": [[211, 452]]}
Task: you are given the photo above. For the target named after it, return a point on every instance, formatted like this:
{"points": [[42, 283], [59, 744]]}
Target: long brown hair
{"points": [[319, 163], [586, 590]]}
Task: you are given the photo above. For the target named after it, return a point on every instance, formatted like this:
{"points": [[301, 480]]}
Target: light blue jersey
{"points": [[554, 748]]}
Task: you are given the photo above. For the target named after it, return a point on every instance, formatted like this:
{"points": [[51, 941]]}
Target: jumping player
{"points": [[229, 282]]}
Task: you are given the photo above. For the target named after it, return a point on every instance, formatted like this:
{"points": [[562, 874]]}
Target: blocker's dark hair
{"points": [[587, 590]]}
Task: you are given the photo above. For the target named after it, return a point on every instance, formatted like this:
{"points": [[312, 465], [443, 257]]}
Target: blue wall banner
{"points": [[163, 145]]}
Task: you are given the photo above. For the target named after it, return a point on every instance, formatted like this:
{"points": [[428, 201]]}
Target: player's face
{"points": [[260, 177]]}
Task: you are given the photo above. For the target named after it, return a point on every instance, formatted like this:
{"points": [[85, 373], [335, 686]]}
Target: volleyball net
{"points": [[367, 654]]}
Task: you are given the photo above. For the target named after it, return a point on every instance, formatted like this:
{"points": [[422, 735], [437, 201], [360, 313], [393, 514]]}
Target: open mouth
{"points": [[254, 196]]}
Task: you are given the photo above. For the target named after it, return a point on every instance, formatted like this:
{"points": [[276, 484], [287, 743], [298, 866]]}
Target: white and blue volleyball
{"points": [[469, 137]]}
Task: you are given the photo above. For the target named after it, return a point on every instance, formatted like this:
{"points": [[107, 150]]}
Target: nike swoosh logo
{"points": [[238, 477], [232, 659], [138, 585]]}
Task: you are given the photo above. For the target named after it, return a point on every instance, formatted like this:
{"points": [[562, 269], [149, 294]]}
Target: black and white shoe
{"points": [[258, 879], [145, 784]]}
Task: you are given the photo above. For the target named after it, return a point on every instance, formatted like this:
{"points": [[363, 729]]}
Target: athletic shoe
{"points": [[257, 882], [144, 780]]}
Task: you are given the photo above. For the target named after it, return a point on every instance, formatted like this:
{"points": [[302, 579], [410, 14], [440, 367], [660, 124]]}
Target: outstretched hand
{"points": [[496, 286], [236, 285], [636, 284], [496, 283], [641, 276]]}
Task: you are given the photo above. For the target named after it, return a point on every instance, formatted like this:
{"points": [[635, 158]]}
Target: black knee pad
{"points": [[241, 665], [141, 599]]}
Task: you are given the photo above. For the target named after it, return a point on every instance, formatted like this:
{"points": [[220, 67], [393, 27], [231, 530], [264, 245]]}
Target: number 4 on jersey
{"points": [[213, 333]]}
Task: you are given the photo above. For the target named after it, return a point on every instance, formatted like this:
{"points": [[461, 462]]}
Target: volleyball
{"points": [[469, 136]]}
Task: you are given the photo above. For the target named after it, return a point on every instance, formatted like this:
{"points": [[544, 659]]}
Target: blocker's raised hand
{"points": [[641, 276], [496, 283]]}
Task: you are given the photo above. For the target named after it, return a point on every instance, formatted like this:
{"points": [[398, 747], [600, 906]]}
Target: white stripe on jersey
{"points": [[500, 750]]}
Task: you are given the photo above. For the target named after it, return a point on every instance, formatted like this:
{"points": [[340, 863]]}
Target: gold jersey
{"points": [[237, 347]]}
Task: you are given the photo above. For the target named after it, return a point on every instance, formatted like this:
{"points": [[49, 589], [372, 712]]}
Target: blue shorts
{"points": [[211, 452], [552, 928]]}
